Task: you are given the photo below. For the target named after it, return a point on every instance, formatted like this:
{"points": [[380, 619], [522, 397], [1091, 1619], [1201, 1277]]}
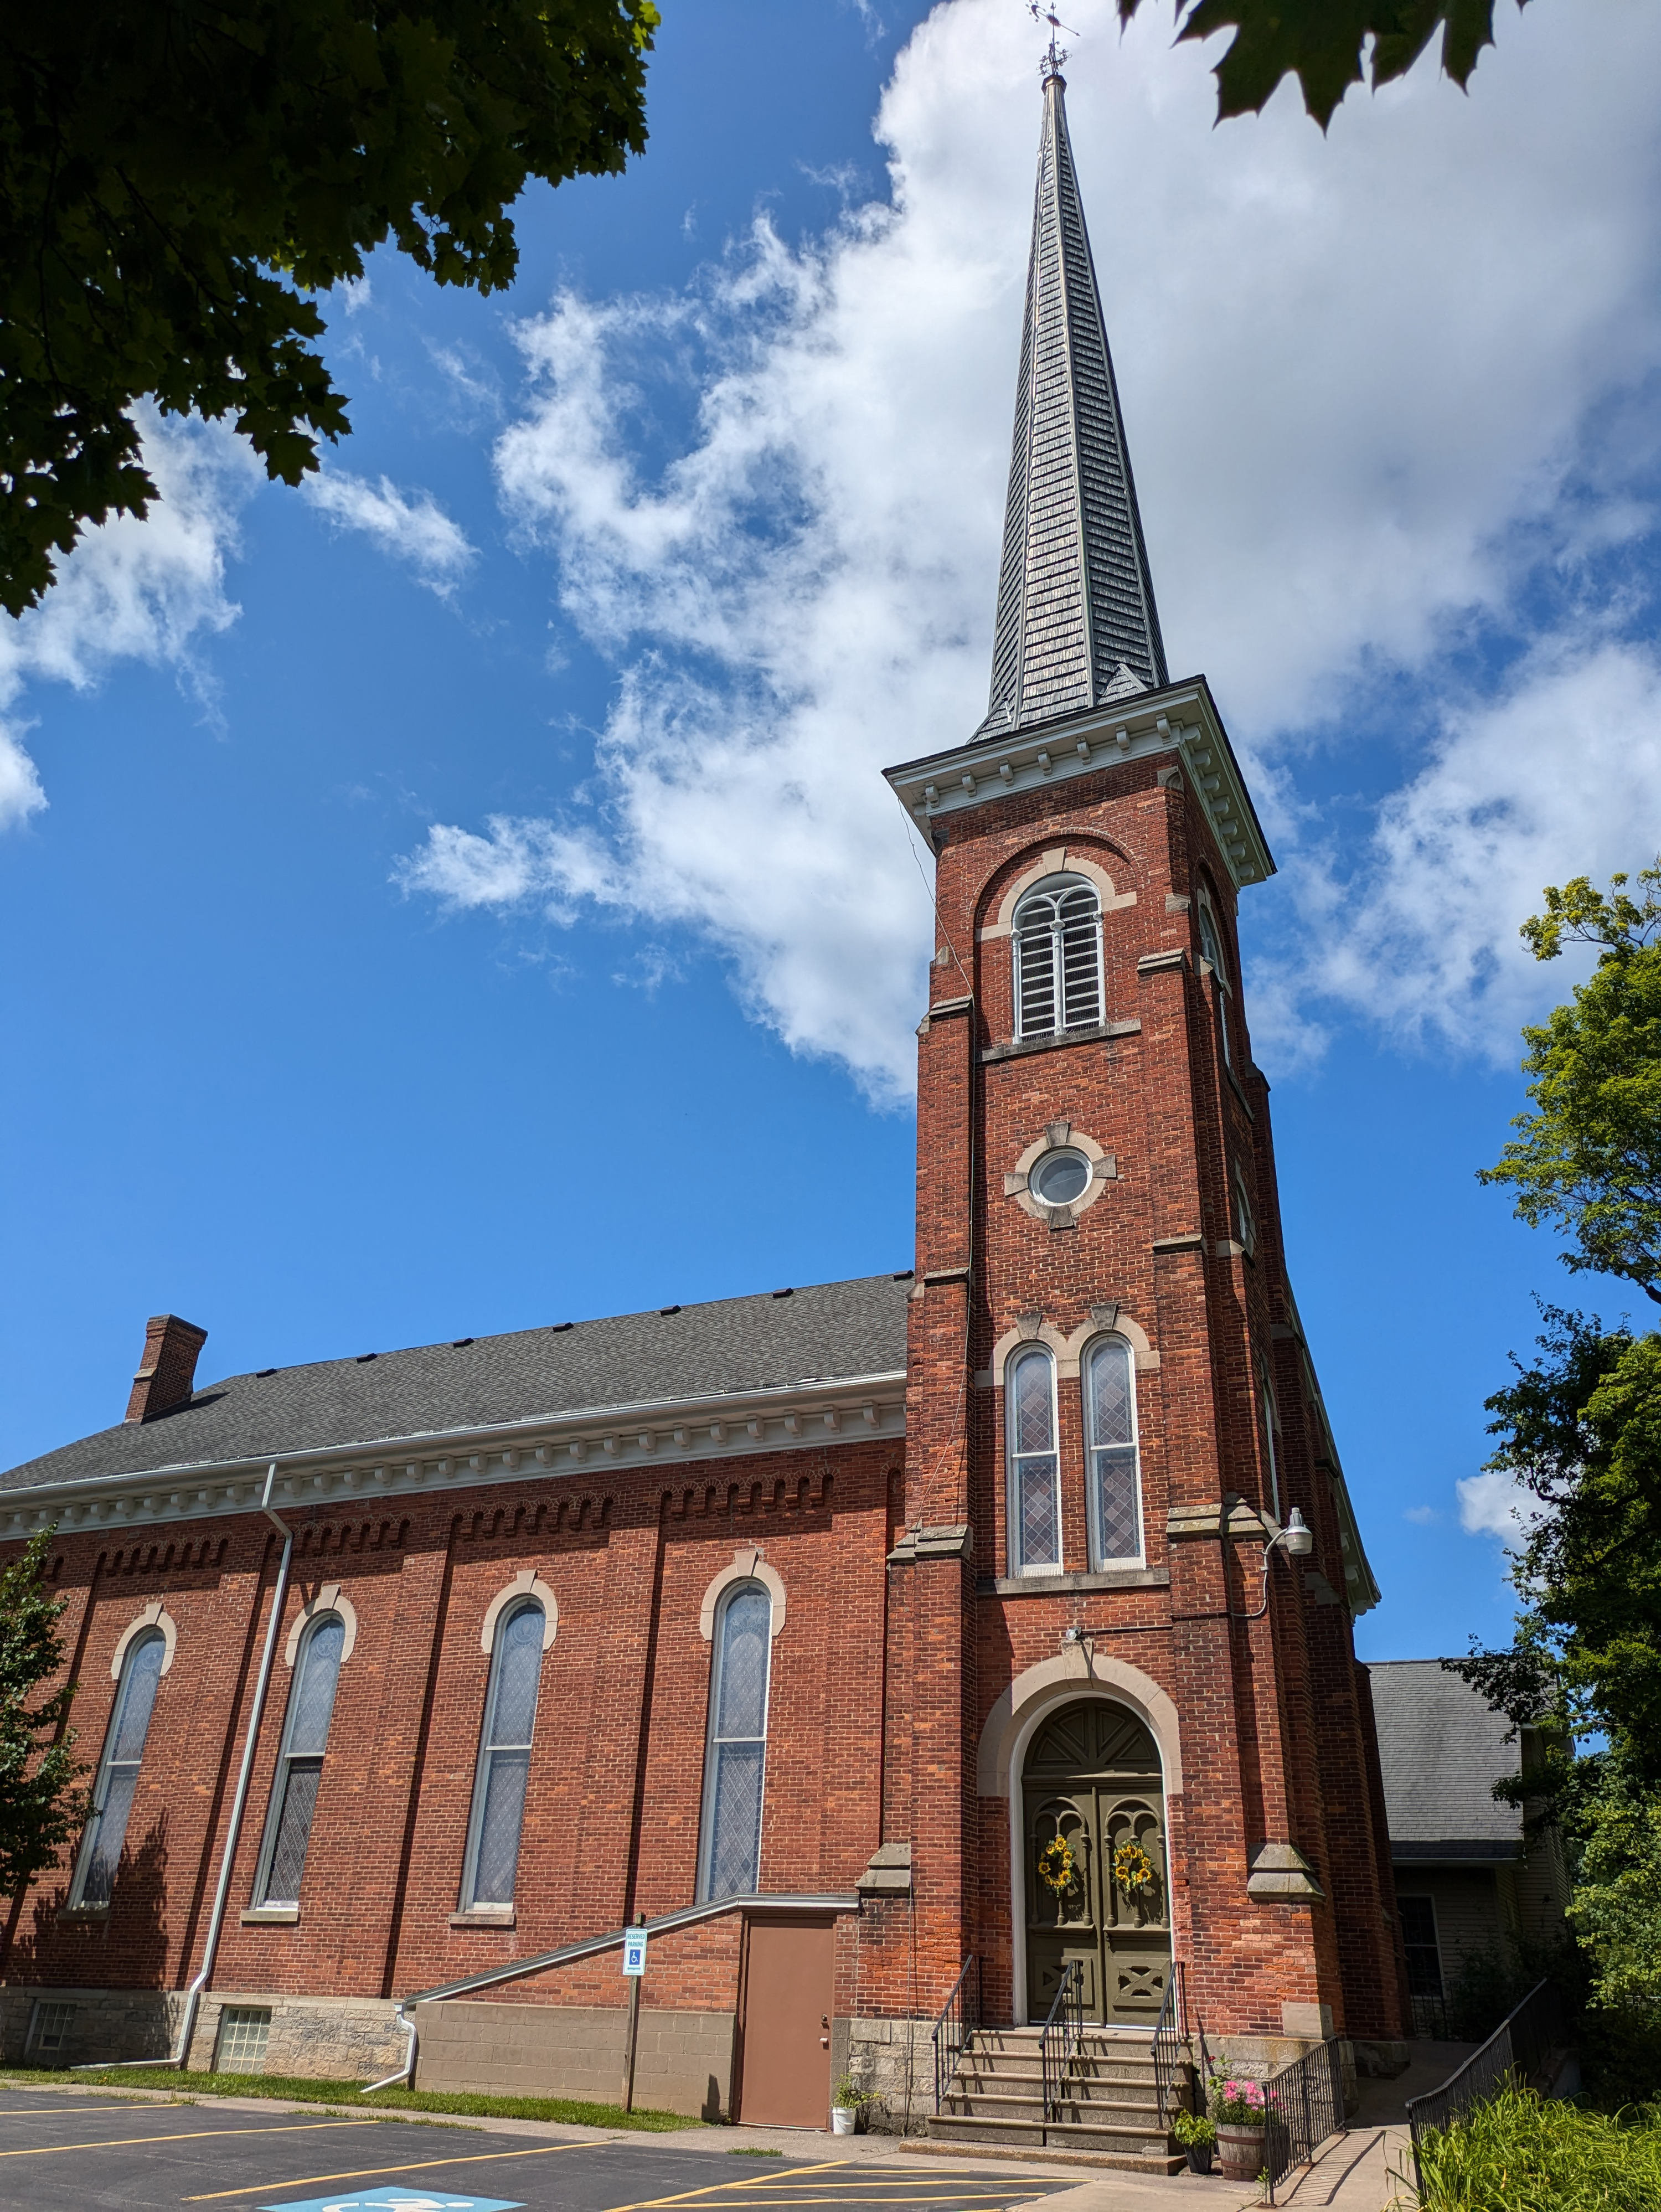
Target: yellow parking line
{"points": [[120, 2143], [66, 2111], [412, 2165], [724, 2188]]}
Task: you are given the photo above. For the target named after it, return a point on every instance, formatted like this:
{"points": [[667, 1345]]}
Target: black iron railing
{"points": [[1170, 2044], [1518, 2047], [959, 2016], [1302, 2104], [1062, 2036]]}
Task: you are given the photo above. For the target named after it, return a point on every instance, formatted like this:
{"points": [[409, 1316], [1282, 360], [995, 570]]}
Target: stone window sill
{"points": [[272, 1916], [1052, 1585], [92, 1916], [1019, 1046], [484, 1916]]}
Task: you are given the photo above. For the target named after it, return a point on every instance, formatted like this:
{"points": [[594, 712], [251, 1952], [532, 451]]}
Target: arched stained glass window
{"points": [[300, 1762], [1271, 1427], [504, 1759], [1058, 958], [735, 1769], [1035, 1504], [118, 1769], [1116, 1489]]}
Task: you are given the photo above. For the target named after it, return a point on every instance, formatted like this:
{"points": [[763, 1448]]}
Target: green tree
{"points": [[42, 1803], [180, 177], [1589, 1159], [1324, 44]]}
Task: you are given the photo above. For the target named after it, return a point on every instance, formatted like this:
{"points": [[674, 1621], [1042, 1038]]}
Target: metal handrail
{"points": [[958, 2018], [1302, 2104], [1170, 2041], [1518, 2045], [1065, 2028]]}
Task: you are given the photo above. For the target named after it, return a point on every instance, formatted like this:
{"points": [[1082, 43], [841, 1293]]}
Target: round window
{"points": [[1060, 1178]]}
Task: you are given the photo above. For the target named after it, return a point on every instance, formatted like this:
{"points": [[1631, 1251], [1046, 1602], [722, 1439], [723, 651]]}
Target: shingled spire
{"points": [[1077, 625]]}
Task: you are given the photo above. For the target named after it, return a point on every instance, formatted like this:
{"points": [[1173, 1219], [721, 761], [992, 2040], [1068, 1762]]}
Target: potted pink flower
{"points": [[1239, 2109]]}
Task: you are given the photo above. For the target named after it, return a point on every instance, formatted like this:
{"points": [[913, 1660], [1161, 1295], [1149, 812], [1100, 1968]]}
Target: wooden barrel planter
{"points": [[1242, 2151]]}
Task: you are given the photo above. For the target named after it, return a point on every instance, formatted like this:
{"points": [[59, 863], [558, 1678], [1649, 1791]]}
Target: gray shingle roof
{"points": [[831, 1331], [1077, 624], [1442, 1750]]}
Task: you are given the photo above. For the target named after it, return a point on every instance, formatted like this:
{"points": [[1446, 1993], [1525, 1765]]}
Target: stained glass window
{"points": [[734, 1772], [117, 1771], [1035, 1506], [1116, 1503], [504, 1759], [300, 1762]]}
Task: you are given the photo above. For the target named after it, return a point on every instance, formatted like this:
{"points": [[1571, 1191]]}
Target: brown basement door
{"points": [[785, 2078]]}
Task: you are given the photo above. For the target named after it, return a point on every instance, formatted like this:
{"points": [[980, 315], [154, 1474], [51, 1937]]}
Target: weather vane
{"points": [[1051, 64]]}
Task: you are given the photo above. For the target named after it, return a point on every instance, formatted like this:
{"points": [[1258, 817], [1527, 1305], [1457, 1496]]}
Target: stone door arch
{"points": [[1091, 1783]]}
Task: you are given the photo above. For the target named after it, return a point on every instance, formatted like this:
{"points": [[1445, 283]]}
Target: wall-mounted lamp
{"points": [[1299, 1541]]}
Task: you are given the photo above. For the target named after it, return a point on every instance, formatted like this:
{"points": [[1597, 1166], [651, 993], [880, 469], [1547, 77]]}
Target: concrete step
{"points": [[1126, 2150], [995, 2066], [985, 2096]]}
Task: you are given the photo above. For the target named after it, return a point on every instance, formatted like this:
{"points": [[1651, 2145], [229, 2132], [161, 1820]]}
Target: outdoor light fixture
{"points": [[1299, 1541]]}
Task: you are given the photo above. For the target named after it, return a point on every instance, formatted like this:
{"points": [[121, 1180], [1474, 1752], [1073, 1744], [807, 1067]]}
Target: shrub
{"points": [[1520, 2153]]}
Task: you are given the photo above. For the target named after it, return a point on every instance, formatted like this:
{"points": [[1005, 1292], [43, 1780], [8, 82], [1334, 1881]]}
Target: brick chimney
{"points": [[167, 1374]]}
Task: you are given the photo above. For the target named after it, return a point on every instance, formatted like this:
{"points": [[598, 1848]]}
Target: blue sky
{"points": [[464, 897]]}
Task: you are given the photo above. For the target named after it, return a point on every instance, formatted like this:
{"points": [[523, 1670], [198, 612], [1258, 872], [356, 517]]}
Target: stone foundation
{"points": [[683, 2060], [893, 2061], [329, 2038]]}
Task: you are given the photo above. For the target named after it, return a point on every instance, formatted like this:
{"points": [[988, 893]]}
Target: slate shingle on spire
{"points": [[1077, 624]]}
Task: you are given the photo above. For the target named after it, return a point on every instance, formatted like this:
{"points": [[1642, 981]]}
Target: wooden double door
{"points": [[1096, 1885]]}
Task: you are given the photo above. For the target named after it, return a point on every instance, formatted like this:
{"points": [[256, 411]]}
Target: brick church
{"points": [[949, 1642]]}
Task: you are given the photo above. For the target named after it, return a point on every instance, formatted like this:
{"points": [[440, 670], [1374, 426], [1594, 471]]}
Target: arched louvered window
{"points": [[1212, 947], [735, 1764], [300, 1762], [1035, 1501], [1058, 958], [117, 1771], [1116, 1488], [504, 1759]]}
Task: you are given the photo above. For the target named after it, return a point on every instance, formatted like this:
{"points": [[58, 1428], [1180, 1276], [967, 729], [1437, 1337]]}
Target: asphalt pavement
{"points": [[72, 2153]]}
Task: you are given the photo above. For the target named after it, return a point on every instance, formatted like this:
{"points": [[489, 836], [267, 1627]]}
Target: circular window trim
{"points": [[1079, 1166], [1060, 1136]]}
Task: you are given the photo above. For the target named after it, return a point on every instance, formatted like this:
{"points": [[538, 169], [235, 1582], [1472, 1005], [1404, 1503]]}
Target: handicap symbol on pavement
{"points": [[399, 2200]]}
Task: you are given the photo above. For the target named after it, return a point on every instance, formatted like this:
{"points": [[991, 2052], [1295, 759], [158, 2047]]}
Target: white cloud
{"points": [[410, 528], [1560, 776], [1495, 1504], [1359, 374], [141, 591], [1421, 1516]]}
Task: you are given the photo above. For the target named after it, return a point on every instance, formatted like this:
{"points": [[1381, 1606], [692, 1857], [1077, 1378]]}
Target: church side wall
{"points": [[613, 1809]]}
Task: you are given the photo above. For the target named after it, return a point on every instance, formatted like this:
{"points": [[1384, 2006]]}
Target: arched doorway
{"points": [[1096, 1886]]}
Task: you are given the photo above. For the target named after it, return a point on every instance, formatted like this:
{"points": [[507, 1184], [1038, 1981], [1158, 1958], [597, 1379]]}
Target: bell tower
{"points": [[1129, 1731]]}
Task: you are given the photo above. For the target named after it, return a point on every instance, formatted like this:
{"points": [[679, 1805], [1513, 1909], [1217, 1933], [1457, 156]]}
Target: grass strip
{"points": [[304, 2089], [1520, 2153]]}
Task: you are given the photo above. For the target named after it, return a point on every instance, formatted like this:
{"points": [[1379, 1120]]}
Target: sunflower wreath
{"points": [[1132, 1869], [1056, 1864]]}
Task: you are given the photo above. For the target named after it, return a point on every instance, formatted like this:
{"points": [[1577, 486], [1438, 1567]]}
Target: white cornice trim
{"points": [[662, 1432], [1180, 719]]}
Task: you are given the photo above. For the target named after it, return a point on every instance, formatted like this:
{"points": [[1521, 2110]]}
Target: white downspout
{"points": [[407, 2073], [216, 1918]]}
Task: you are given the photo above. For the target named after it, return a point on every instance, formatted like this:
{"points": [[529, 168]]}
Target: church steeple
{"points": [[1077, 624]]}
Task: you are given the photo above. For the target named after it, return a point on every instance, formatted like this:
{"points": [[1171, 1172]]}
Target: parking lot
{"points": [[76, 2152]]}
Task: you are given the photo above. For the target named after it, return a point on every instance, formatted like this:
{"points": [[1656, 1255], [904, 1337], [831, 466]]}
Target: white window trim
{"points": [[328, 1600], [748, 1566], [1271, 1427], [154, 1616], [143, 1627], [313, 1616], [524, 1593], [711, 1744], [1018, 1565], [527, 1584], [1215, 963], [1138, 1557]]}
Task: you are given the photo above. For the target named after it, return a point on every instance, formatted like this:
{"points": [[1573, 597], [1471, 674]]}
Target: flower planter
{"points": [[1199, 2158], [1242, 2150], [842, 2117]]}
